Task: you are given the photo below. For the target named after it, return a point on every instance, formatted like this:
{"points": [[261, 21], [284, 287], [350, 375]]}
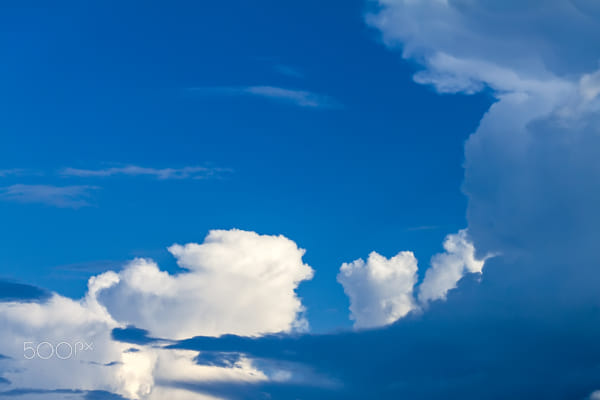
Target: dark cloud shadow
{"points": [[476, 346]]}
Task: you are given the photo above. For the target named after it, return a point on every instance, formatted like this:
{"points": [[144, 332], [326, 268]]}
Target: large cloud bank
{"points": [[532, 168]]}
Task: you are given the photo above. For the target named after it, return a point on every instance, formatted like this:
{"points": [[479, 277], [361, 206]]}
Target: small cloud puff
{"points": [[381, 290]]}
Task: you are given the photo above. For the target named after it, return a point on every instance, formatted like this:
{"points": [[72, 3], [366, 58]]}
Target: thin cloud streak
{"points": [[422, 228], [288, 71], [134, 170], [14, 172], [300, 98], [57, 196]]}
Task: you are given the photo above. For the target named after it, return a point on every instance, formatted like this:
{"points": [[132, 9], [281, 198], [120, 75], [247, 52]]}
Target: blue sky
{"points": [[163, 167], [94, 87]]}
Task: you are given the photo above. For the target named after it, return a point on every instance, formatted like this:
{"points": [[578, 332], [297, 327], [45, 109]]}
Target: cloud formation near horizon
{"points": [[235, 282]]}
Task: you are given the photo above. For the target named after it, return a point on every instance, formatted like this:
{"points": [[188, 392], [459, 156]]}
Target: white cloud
{"points": [[238, 282], [57, 196], [300, 98], [135, 170], [448, 268], [235, 282], [380, 290], [24, 326]]}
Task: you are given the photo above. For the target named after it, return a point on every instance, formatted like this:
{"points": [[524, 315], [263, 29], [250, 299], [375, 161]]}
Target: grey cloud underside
{"points": [[456, 351]]}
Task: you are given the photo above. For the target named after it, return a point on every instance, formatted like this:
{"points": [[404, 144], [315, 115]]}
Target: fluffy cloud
{"points": [[449, 267], [380, 290], [58, 320], [235, 282]]}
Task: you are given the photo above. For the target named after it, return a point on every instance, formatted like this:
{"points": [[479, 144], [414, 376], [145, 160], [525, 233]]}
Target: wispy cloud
{"points": [[422, 228], [57, 196], [300, 98], [135, 170], [12, 172], [288, 71]]}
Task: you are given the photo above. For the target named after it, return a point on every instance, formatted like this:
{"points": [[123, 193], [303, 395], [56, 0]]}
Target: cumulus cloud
{"points": [[448, 268], [33, 331], [531, 168], [380, 289], [235, 282]]}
